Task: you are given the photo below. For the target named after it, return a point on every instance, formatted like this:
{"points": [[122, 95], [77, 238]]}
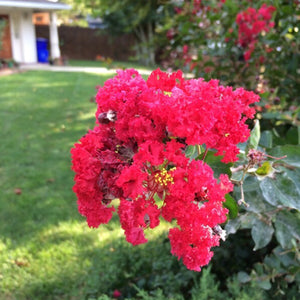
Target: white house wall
{"points": [[23, 37], [54, 40], [28, 39], [15, 36]]}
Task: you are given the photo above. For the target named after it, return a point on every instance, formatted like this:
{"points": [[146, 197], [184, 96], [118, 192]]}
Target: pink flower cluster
{"points": [[251, 24], [136, 153]]}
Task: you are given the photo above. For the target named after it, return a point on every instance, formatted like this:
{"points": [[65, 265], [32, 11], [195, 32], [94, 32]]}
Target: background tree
{"points": [[76, 16], [138, 17]]}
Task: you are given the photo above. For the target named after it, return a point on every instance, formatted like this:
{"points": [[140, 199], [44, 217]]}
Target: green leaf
{"points": [[238, 175], [243, 277], [289, 278], [254, 137], [191, 152], [294, 175], [266, 139], [291, 151], [281, 191], [271, 261], [261, 233], [185, 28], [271, 115], [253, 196], [287, 225], [265, 169], [264, 284], [292, 136], [232, 206], [247, 220], [158, 201], [232, 226], [286, 258], [215, 163]]}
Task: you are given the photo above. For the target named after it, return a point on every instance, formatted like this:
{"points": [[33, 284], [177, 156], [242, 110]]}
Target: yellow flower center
{"points": [[164, 178], [167, 93]]}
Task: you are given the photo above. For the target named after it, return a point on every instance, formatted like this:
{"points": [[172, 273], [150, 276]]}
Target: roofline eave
{"points": [[34, 5]]}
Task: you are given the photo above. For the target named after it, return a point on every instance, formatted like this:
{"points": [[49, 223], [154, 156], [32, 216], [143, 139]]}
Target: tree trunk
{"points": [[144, 47]]}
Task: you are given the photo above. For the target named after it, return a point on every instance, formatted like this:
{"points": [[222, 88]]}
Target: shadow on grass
{"points": [[113, 265]]}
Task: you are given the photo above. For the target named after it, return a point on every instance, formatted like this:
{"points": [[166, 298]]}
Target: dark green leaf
{"points": [[232, 206], [289, 278], [286, 258], [194, 151], [254, 137], [262, 233], [191, 152], [294, 175], [292, 136], [232, 226], [247, 220], [281, 191], [185, 28], [291, 151], [253, 196], [243, 277], [266, 139], [215, 163], [271, 115], [287, 225], [264, 284], [273, 262]]}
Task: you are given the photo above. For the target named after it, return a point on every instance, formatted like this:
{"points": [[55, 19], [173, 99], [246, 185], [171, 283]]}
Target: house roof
{"points": [[34, 4]]}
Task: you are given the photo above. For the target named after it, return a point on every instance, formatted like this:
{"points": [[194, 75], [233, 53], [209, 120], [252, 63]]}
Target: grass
{"points": [[109, 64], [46, 249]]}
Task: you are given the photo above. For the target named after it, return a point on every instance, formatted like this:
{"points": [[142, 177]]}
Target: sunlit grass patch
{"points": [[107, 64]]}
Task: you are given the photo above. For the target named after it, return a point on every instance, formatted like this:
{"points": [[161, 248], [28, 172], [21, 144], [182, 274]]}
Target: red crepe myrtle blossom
{"points": [[136, 153], [251, 23]]}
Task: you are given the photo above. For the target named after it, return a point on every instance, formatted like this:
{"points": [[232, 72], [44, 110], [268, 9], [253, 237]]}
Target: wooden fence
{"points": [[87, 43]]}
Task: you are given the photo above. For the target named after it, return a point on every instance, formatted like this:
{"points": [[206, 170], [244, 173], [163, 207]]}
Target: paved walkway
{"points": [[46, 67]]}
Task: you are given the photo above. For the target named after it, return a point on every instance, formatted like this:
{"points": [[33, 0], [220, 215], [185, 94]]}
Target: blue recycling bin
{"points": [[42, 50]]}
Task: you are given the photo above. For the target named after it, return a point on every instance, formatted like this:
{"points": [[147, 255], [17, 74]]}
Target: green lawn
{"points": [[112, 64], [46, 249]]}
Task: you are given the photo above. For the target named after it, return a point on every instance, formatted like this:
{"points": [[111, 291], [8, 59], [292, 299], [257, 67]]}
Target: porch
{"points": [[19, 35]]}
